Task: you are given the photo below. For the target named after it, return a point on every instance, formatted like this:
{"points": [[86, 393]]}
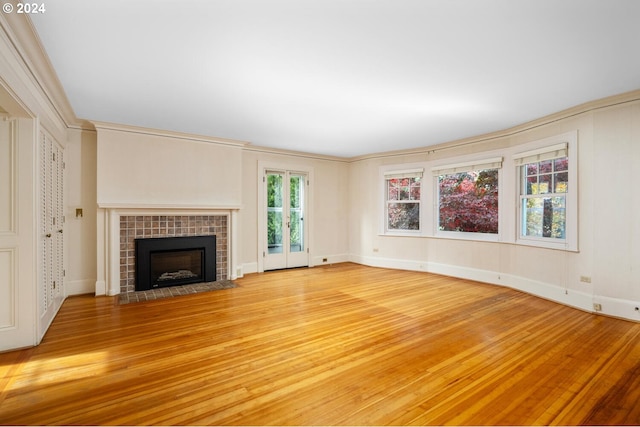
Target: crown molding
{"points": [[294, 153], [27, 43], [246, 146], [587, 107], [166, 133]]}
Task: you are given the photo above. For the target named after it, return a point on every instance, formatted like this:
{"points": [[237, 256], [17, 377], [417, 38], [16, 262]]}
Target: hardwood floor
{"points": [[335, 345]]}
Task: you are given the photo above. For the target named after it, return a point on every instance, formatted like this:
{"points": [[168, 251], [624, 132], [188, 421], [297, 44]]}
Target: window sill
{"points": [[460, 235], [403, 234], [560, 246]]}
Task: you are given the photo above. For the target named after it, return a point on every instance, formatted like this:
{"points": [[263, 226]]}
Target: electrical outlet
{"points": [[585, 279], [597, 307], [325, 259]]}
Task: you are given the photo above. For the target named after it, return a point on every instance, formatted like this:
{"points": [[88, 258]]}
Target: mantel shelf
{"points": [[166, 206]]}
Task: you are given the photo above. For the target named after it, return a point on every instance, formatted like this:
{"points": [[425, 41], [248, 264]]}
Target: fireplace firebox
{"points": [[172, 261]]}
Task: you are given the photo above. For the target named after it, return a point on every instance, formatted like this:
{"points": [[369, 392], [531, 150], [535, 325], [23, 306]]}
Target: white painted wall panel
{"points": [[7, 178], [144, 169], [7, 289], [17, 248]]}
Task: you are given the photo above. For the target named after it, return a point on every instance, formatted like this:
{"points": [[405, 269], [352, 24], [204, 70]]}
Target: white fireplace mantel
{"points": [[108, 236]]}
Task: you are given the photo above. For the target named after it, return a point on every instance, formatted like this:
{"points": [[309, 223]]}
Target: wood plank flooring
{"points": [[334, 345]]}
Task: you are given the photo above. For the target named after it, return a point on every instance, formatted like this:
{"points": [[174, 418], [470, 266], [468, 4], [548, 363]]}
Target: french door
{"points": [[286, 230]]}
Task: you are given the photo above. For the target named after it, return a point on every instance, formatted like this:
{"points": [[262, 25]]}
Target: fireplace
{"points": [[172, 261]]}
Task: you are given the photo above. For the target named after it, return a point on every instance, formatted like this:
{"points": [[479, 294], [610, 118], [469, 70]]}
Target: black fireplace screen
{"points": [[175, 261], [174, 266]]}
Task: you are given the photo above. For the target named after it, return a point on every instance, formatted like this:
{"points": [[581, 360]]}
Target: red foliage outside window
{"points": [[468, 201]]}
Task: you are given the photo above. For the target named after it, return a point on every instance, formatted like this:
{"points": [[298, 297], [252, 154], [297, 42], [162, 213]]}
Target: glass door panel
{"points": [[274, 213], [296, 213], [285, 227]]}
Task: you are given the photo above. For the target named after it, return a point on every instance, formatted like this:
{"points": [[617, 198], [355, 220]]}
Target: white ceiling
{"points": [[338, 77]]}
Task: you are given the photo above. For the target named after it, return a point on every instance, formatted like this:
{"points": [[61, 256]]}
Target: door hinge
{"points": [[64, 273], [264, 179], [264, 254]]}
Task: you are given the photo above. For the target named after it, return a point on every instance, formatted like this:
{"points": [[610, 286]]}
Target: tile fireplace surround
{"points": [[120, 224], [146, 226]]}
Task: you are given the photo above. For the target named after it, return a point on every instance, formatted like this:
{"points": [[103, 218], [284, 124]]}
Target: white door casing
{"points": [[290, 216]]}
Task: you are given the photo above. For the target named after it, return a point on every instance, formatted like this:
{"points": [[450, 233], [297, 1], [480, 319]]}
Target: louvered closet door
{"points": [[51, 283]]}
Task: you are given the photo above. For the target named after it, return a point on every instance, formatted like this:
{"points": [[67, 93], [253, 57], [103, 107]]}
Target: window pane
{"points": [[392, 193], [546, 166], [468, 201], [549, 176], [561, 182], [404, 193], [296, 231], [415, 190], [403, 216], [544, 184], [274, 191], [296, 184], [274, 230], [532, 185], [544, 217], [561, 164]]}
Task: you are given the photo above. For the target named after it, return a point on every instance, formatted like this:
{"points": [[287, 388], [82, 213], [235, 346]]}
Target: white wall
{"points": [[609, 252], [330, 192], [154, 168], [80, 238], [616, 231]]}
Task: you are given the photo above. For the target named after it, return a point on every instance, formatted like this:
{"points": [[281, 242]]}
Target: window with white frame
{"points": [[544, 184], [403, 190], [467, 198], [547, 206]]}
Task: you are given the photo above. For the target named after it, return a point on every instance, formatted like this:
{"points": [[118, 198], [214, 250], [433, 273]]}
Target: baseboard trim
{"points": [[330, 259], [624, 309], [248, 268], [80, 287], [101, 287]]}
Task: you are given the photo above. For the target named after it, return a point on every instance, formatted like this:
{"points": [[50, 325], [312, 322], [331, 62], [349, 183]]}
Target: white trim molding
{"points": [[108, 239], [614, 307]]}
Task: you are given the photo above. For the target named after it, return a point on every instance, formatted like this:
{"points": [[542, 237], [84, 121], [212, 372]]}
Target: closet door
{"points": [[51, 291]]}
